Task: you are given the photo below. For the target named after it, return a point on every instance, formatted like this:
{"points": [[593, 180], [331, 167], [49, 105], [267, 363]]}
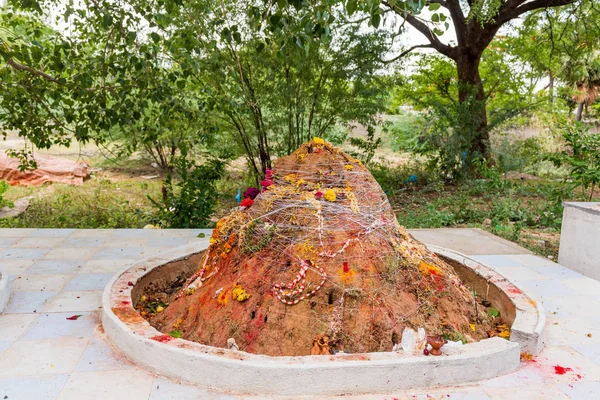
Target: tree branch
{"points": [[511, 12], [446, 50], [21, 67], [405, 52]]}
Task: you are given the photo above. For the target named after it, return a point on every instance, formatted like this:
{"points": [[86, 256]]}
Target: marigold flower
{"points": [[317, 140], [330, 195]]}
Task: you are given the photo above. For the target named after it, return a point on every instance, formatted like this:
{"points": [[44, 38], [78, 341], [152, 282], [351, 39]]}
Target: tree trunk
{"points": [[579, 114], [470, 86]]}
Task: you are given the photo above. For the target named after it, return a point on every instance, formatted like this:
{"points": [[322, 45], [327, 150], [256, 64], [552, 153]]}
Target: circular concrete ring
{"points": [[244, 373]]}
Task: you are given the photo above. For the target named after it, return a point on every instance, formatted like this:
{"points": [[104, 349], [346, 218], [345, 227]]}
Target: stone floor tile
{"points": [[99, 356], [556, 272], [89, 282], [106, 266], [581, 390], [582, 368], [56, 325], [168, 242], [564, 306], [12, 253], [126, 242], [16, 232], [13, 325], [113, 385], [533, 392], [114, 253], [92, 233], [7, 242], [571, 331], [531, 260], [46, 387], [583, 285], [163, 389], [452, 393], [590, 351], [28, 302], [527, 374], [73, 253], [56, 267], [497, 260], [4, 346], [519, 273], [48, 233], [50, 356], [547, 287], [39, 243], [84, 242], [40, 283], [170, 233], [75, 301], [132, 233], [16, 267]]}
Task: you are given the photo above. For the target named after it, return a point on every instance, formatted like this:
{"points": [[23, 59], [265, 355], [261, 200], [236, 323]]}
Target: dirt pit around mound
{"points": [[315, 256]]}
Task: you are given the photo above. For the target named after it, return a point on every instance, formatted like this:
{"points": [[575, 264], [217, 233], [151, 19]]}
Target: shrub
{"points": [[190, 202], [581, 157]]}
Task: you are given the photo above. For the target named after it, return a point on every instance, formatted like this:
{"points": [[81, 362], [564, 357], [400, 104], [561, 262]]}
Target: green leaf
{"points": [[434, 6], [176, 334], [351, 7], [493, 312], [435, 18], [155, 37]]}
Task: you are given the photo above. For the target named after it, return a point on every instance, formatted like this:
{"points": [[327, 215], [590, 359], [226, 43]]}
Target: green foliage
{"points": [[493, 312], [581, 156], [366, 146], [3, 202], [191, 200]]}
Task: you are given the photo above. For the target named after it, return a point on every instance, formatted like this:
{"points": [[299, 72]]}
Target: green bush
{"points": [[3, 188], [190, 202], [581, 157]]}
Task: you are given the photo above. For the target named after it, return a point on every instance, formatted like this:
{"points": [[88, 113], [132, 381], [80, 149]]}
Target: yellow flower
{"points": [[348, 167], [504, 334], [239, 293], [329, 195], [317, 140]]}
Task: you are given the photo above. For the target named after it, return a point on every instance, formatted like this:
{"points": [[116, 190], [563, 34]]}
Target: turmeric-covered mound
{"points": [[318, 253]]}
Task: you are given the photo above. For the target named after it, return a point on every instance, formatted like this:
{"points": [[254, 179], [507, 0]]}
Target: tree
{"points": [[153, 73], [476, 23]]}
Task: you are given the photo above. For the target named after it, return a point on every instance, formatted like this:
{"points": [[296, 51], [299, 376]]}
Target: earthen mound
{"points": [[318, 253]]}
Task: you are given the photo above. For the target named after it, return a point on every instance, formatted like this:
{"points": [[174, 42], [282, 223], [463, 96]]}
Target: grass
{"points": [[99, 203], [527, 213]]}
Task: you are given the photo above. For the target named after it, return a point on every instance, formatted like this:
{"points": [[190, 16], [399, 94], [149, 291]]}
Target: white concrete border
{"points": [[528, 326], [5, 288], [245, 373], [580, 235]]}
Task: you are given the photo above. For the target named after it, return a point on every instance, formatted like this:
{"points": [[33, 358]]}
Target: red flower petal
{"points": [[129, 283], [247, 203], [74, 317]]}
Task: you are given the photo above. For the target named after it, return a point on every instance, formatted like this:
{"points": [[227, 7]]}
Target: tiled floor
{"points": [[60, 273]]}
